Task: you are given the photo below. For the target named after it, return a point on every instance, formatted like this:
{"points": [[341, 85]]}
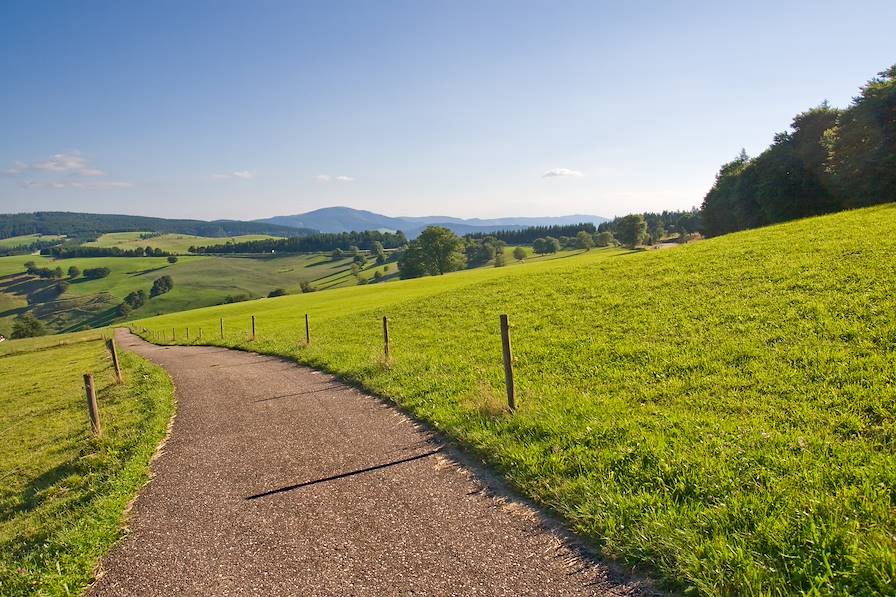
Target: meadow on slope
{"points": [[64, 492], [724, 413]]}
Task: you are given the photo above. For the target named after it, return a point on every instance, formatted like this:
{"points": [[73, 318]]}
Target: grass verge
{"points": [[63, 493]]}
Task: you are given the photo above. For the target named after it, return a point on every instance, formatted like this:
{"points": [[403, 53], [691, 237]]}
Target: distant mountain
{"points": [[346, 219], [80, 225]]}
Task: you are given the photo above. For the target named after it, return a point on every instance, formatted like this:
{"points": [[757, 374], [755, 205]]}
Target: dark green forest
{"points": [[90, 226], [311, 243], [830, 160]]}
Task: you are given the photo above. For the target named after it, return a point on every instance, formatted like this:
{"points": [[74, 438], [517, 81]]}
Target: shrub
{"points": [[28, 326], [95, 273], [305, 286], [161, 286], [172, 259], [73, 272], [277, 292]]}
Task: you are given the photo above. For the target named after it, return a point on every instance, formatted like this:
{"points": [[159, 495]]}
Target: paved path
{"points": [[278, 480]]}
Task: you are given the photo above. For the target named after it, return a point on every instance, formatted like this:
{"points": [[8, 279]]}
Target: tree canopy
{"points": [[435, 252]]}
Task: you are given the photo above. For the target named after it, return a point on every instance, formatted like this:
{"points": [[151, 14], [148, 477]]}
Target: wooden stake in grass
{"points": [[508, 363], [307, 331], [112, 348], [173, 334], [386, 337], [92, 410], [222, 328], [253, 327], [200, 333], [188, 333]]}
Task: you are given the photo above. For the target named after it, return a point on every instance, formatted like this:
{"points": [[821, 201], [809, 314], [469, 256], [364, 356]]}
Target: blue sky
{"points": [[253, 109]]}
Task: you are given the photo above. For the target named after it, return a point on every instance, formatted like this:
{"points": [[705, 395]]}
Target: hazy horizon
{"points": [[212, 111]]}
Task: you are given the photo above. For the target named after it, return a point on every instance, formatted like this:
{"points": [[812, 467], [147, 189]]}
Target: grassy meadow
{"points": [[198, 281], [723, 413], [171, 243], [63, 492], [19, 241]]}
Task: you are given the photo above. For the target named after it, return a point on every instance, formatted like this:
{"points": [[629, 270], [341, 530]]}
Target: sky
{"points": [[253, 109]]}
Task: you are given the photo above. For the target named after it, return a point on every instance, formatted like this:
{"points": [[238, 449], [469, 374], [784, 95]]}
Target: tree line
{"points": [[68, 251], [526, 236], [830, 160], [82, 225], [314, 243]]}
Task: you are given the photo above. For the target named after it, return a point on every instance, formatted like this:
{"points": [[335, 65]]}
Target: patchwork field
{"points": [[172, 243], [723, 413], [198, 281], [63, 492]]}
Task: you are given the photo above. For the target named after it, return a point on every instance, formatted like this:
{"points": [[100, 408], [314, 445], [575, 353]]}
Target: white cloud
{"points": [[328, 178], [243, 174], [69, 170], [90, 185], [557, 172]]}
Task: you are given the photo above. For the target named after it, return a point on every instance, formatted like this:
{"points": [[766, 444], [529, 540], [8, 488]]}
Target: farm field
{"points": [[723, 413], [171, 243], [198, 281], [64, 492], [18, 241]]}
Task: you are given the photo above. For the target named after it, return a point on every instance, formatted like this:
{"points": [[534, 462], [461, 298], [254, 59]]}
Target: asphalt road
{"points": [[279, 480]]}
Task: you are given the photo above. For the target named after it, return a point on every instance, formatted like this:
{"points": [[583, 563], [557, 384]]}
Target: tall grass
{"points": [[724, 413]]}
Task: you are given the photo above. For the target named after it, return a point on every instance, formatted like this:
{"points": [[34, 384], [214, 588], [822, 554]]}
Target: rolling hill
{"points": [[84, 224], [346, 219], [723, 413]]}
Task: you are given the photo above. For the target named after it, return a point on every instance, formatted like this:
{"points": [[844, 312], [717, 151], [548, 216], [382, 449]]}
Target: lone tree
{"points": [[584, 240], [27, 326], [631, 230], [435, 252], [73, 272], [604, 239], [519, 253], [172, 259], [161, 286], [546, 245], [378, 252]]}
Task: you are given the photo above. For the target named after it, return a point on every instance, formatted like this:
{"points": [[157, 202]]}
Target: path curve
{"points": [[279, 480]]}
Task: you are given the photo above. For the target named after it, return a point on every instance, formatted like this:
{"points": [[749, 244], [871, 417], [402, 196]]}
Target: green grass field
{"points": [[172, 243], [198, 281], [18, 241], [723, 413], [63, 492]]}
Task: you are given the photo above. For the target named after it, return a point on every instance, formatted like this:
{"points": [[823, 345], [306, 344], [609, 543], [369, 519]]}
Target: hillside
{"points": [[86, 224], [171, 243], [723, 413], [346, 219]]}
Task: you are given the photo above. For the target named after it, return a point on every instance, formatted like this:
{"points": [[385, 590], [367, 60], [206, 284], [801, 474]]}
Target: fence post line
{"points": [[386, 337], [508, 362], [307, 331], [92, 410], [222, 328], [110, 344], [253, 327]]}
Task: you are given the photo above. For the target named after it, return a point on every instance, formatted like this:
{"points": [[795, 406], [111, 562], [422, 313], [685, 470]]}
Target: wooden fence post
{"points": [[200, 333], [386, 337], [222, 328], [92, 410], [173, 334], [307, 331], [188, 332], [253, 327], [111, 345], [508, 362]]}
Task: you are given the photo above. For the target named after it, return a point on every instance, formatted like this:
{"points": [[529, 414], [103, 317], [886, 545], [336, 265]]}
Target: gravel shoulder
{"points": [[279, 480]]}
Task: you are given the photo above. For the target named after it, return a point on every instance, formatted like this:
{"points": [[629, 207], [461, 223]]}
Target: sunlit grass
{"points": [[722, 412]]}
